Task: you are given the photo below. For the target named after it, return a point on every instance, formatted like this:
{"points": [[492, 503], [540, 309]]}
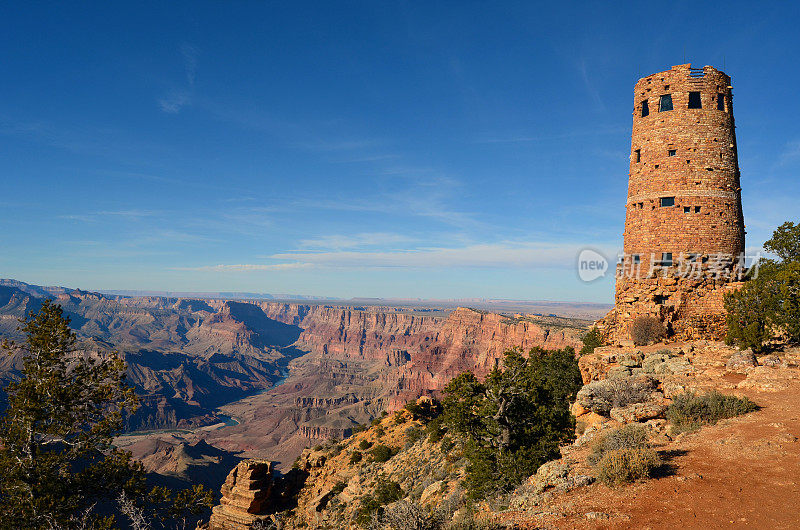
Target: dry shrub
{"points": [[622, 466], [630, 436], [602, 396], [646, 330], [624, 455]]}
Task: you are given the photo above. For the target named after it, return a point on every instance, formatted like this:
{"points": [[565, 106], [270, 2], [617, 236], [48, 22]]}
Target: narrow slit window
{"points": [[645, 108], [636, 259], [667, 201], [694, 100], [721, 102], [666, 259], [665, 103], [637, 155], [671, 152]]}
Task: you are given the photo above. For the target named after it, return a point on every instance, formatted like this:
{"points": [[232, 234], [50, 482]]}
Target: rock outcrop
{"points": [[244, 496]]}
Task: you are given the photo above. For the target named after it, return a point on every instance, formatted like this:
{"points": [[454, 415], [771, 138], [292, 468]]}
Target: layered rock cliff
{"points": [[188, 357]]}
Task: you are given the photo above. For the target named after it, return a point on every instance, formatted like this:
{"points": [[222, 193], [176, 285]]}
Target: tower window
{"points": [[636, 259], [671, 152], [686, 209], [641, 205], [665, 103], [637, 155], [666, 259], [645, 108], [667, 201], [694, 100], [696, 209], [720, 101]]}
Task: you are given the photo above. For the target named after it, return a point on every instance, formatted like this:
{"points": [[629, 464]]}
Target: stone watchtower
{"points": [[684, 230]]}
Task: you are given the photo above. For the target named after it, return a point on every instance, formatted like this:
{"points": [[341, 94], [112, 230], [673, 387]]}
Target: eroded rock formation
{"points": [[245, 494]]}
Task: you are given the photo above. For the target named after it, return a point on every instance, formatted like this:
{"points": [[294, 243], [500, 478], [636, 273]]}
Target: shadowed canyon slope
{"points": [[208, 367]]}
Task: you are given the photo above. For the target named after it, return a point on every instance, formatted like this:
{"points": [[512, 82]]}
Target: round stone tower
{"points": [[684, 230], [684, 196]]}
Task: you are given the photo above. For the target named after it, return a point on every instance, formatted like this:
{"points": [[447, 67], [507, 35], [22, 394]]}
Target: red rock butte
{"points": [[684, 229]]}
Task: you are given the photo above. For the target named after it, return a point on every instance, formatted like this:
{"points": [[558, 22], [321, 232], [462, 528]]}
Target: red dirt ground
{"points": [[741, 473]]}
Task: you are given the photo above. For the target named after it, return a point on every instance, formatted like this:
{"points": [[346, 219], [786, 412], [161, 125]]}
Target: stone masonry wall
{"points": [[685, 154], [684, 198]]}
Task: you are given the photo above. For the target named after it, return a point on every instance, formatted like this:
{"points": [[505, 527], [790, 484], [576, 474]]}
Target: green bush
{"points": [[356, 457], [447, 444], [382, 453], [364, 445], [413, 434], [339, 487], [435, 431], [591, 340], [622, 466], [399, 417], [646, 330], [388, 491], [385, 492], [689, 411], [515, 419], [379, 431], [768, 305]]}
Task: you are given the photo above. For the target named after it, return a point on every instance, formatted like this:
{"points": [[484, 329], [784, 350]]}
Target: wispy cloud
{"points": [[790, 153], [507, 254], [590, 88], [248, 267], [177, 98], [132, 214], [366, 239], [529, 138], [189, 54]]}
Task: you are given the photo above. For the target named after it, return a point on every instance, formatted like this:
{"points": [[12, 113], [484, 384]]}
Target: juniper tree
{"points": [[515, 419], [769, 304], [58, 467]]}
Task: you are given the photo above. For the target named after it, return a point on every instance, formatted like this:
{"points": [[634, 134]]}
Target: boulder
{"points": [[773, 361], [602, 396], [549, 475], [741, 361], [638, 412], [431, 491], [653, 362]]}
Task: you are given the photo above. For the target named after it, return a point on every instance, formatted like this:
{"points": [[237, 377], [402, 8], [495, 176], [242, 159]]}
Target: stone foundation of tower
{"points": [[689, 308]]}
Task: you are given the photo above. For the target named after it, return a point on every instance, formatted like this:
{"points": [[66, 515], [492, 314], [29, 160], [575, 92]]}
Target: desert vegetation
{"points": [[624, 455], [591, 340], [688, 411], [514, 420], [57, 463], [646, 330], [767, 307]]}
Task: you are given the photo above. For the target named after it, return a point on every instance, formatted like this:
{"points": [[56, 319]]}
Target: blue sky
{"points": [[403, 149]]}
